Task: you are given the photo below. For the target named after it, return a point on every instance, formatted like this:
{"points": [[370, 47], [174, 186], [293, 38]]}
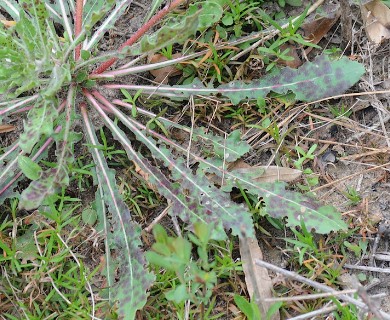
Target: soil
{"points": [[354, 141]]}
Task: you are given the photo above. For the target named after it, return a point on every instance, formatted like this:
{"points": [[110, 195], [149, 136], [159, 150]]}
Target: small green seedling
{"points": [[309, 155], [352, 195], [340, 111]]}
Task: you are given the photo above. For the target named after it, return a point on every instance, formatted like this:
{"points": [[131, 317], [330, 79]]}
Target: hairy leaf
{"points": [[46, 185], [40, 122], [60, 74], [33, 196], [134, 280], [314, 80], [163, 37], [229, 149], [194, 197], [281, 203], [94, 11], [25, 49]]}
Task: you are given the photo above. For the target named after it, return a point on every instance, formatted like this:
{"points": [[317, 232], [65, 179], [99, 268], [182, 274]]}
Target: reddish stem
{"points": [[158, 16], [78, 25]]}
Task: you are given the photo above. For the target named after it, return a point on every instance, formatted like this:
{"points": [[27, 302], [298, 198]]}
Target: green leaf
{"points": [[29, 168], [195, 198], [89, 216], [160, 234], [60, 75], [314, 80], [94, 11], [54, 178], [163, 37], [229, 149], [123, 236], [40, 122], [177, 295], [51, 179], [25, 50], [85, 55], [211, 12], [245, 306], [227, 20], [280, 203], [12, 8]]}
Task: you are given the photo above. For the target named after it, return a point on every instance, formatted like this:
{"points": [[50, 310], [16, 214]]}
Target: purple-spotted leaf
{"points": [[281, 203], [51, 179], [315, 80], [193, 197], [181, 30], [40, 122], [229, 149], [123, 236]]}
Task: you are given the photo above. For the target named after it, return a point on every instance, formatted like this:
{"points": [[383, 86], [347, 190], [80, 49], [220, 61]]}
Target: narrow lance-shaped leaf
{"points": [[53, 178], [134, 280], [9, 177], [94, 11], [314, 80], [11, 7], [193, 196], [40, 122], [185, 207], [281, 203], [175, 33]]}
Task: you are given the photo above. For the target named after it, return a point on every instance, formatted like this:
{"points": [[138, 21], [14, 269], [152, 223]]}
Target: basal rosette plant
{"points": [[52, 72]]}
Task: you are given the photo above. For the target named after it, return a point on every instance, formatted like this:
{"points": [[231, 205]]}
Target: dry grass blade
{"points": [[257, 280], [318, 286]]}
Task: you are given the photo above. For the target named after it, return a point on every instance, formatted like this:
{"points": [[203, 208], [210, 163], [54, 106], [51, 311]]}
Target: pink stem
{"points": [[162, 13], [78, 25], [41, 149]]}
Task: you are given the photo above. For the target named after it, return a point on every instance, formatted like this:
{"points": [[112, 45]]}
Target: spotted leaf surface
{"points": [[181, 30], [229, 148], [314, 80], [194, 198], [123, 236], [281, 203], [40, 122]]}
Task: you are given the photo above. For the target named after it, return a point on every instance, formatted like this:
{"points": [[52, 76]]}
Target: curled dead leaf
{"points": [[315, 30], [376, 18], [163, 74]]}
